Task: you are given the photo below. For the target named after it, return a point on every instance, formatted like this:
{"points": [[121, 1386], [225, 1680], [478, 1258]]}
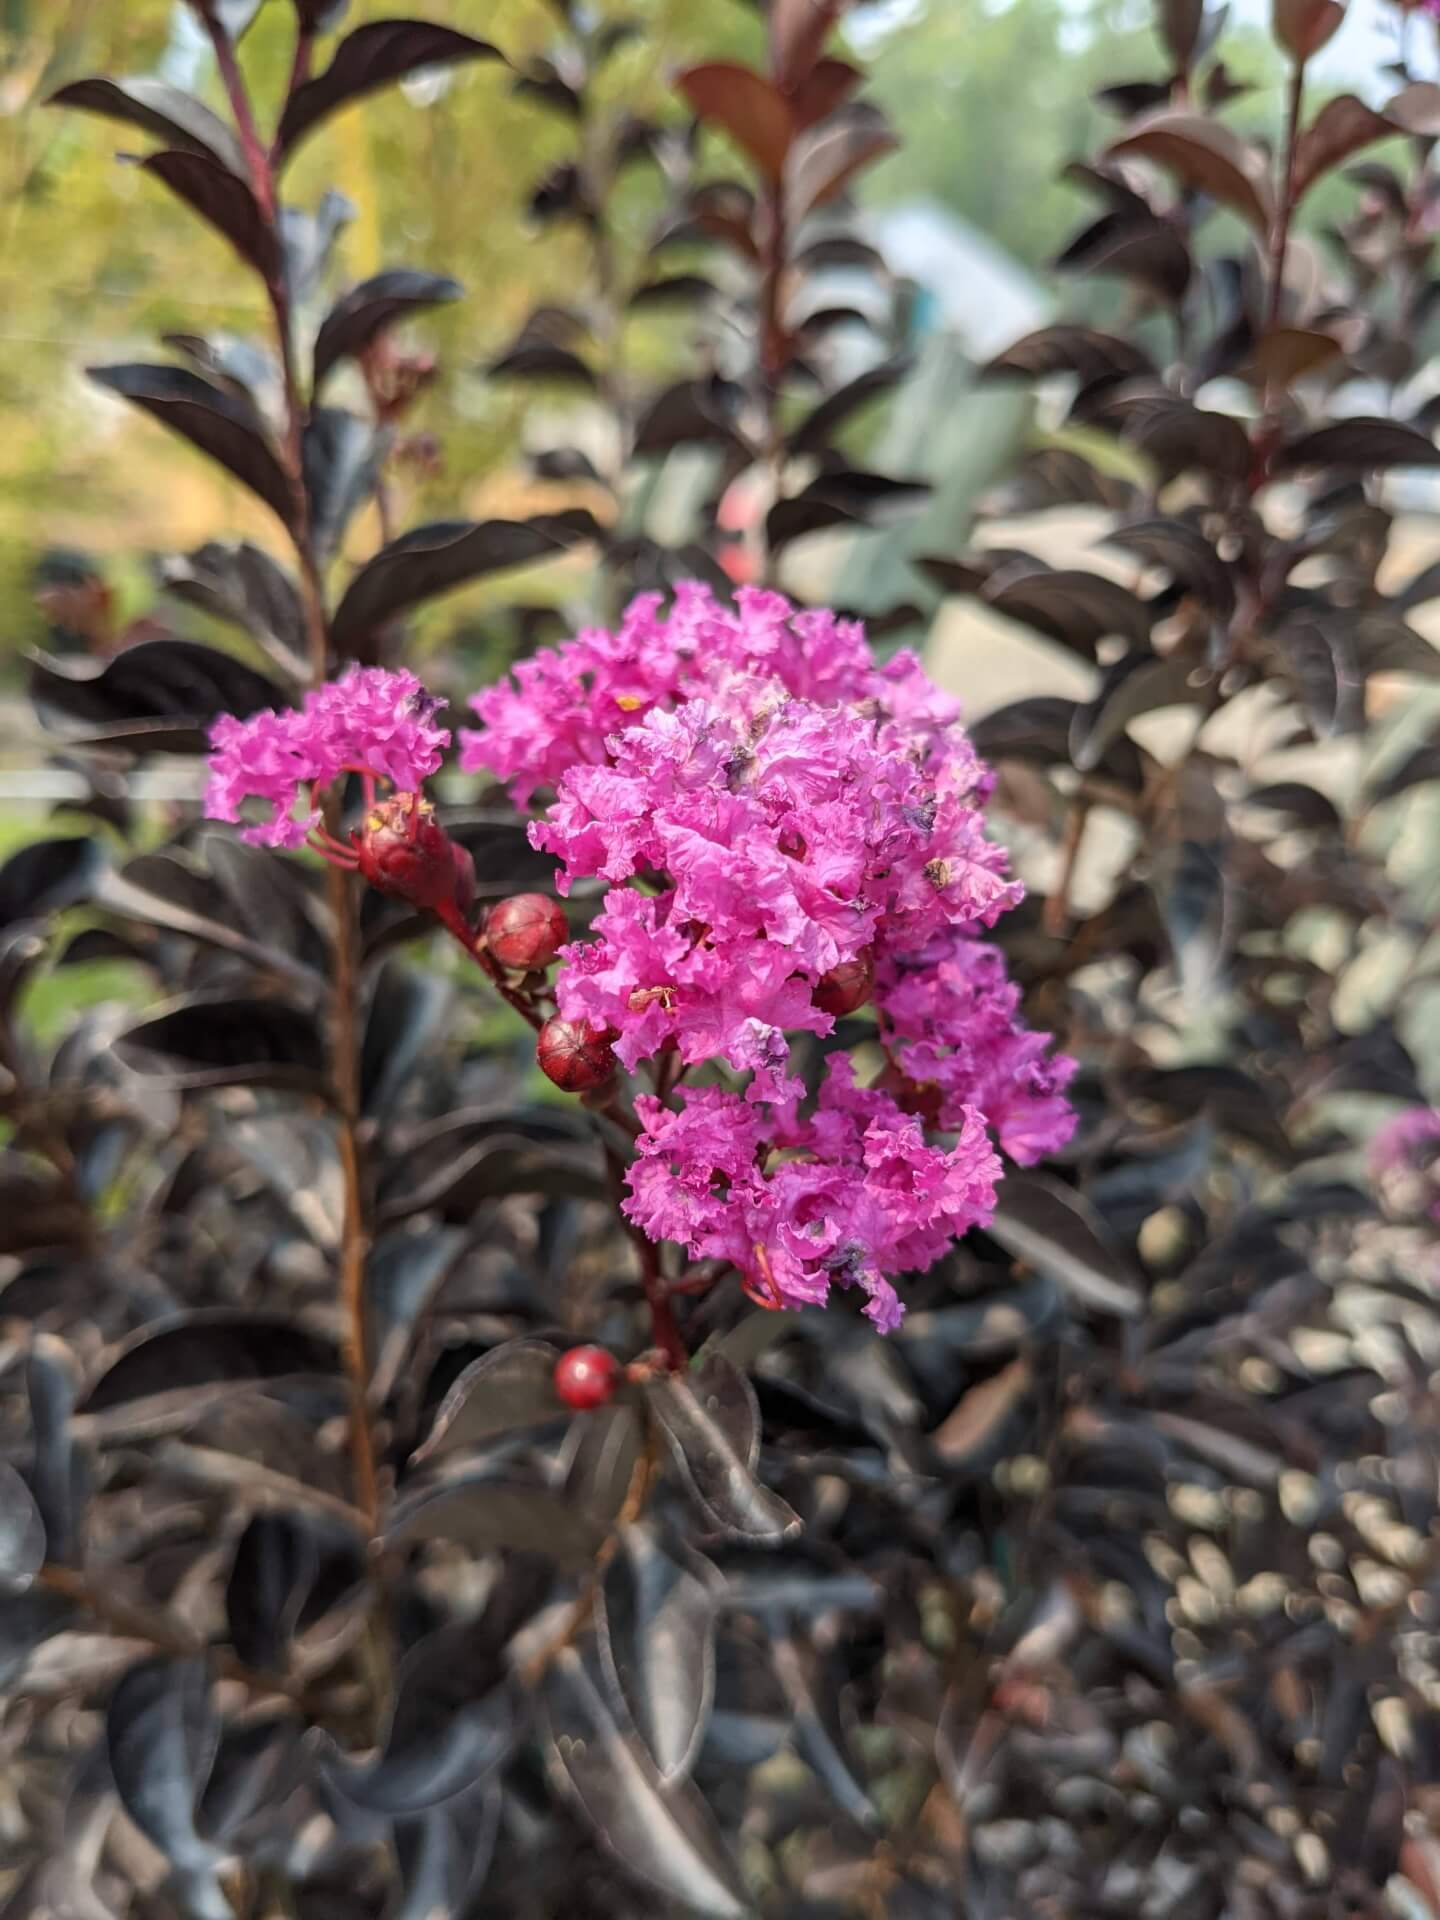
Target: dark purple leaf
{"points": [[57, 1473], [161, 1732], [1204, 154], [1136, 683], [1185, 554], [664, 1836], [222, 1040], [1138, 247], [452, 1725], [709, 1421], [541, 360], [216, 422], [655, 1624], [367, 312], [1303, 805], [432, 560], [156, 107], [48, 875], [275, 1566], [1091, 356], [371, 57], [694, 412], [1358, 443], [827, 157], [1051, 1228], [1038, 730], [675, 290], [819, 427], [1343, 126], [209, 1347], [511, 1386], [222, 201], [22, 1533], [245, 587], [486, 1515], [177, 682], [342, 459]]}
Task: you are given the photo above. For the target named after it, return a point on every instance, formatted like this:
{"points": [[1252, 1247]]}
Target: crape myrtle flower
{"points": [[370, 721], [789, 836]]}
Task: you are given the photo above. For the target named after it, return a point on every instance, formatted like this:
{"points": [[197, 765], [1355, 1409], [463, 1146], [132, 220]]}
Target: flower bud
{"points": [[526, 931], [585, 1378], [847, 986], [574, 1055], [404, 851]]}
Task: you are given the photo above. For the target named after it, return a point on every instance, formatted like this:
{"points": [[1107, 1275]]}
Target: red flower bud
{"points": [[847, 986], [585, 1377], [527, 930], [404, 851], [574, 1055]]}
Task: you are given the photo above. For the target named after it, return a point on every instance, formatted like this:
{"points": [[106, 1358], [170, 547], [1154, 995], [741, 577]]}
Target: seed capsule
{"points": [[527, 930], [847, 986], [574, 1055]]}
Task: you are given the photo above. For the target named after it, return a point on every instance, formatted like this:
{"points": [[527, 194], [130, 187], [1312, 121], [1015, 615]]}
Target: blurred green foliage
{"points": [[97, 262]]}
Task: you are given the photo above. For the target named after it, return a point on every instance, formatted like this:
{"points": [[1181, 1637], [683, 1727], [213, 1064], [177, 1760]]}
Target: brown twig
{"points": [[344, 1023], [1284, 211], [159, 1630], [1056, 916]]}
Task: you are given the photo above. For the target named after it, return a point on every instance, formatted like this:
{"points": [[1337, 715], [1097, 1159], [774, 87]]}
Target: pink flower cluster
{"points": [[369, 720], [768, 807], [952, 1023], [1405, 1158], [845, 1197]]}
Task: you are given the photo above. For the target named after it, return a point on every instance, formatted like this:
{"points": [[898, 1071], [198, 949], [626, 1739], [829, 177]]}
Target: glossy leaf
{"points": [[222, 201], [46, 875], [749, 107], [1343, 127], [221, 1040], [488, 1515], [1138, 683], [1201, 153], [156, 107], [512, 1386], [452, 1725], [710, 1423], [161, 1733], [828, 157], [1358, 442], [160, 694], [220, 425], [1049, 1227], [1304, 26], [243, 586], [211, 1346], [655, 1624], [22, 1533], [663, 1836], [373, 56], [433, 560], [367, 312]]}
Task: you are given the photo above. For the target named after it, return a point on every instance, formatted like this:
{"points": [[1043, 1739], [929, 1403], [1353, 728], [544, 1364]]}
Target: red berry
{"points": [[404, 851], [847, 986], [527, 930], [574, 1055], [585, 1377]]}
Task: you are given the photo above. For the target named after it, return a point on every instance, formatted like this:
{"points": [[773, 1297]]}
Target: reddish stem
{"points": [[256, 156], [455, 924]]}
